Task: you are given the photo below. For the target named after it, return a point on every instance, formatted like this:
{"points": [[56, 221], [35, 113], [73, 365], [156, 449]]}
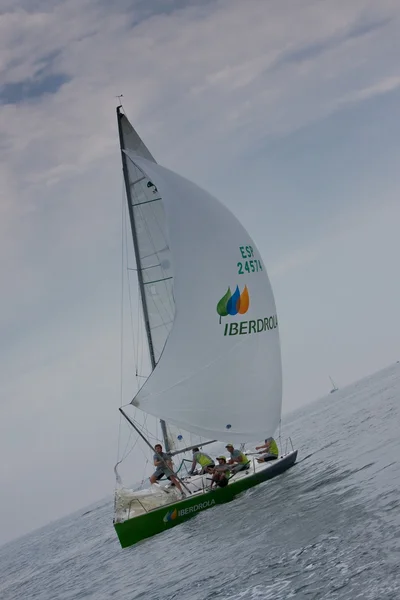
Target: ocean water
{"points": [[327, 529]]}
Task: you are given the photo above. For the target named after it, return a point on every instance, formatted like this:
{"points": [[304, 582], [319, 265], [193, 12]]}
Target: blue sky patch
{"points": [[31, 89]]}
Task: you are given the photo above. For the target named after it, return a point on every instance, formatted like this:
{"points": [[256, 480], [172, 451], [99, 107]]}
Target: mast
{"points": [[138, 262]]}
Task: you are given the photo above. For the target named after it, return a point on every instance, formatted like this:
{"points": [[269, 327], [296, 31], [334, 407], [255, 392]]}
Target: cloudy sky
{"points": [[287, 110]]}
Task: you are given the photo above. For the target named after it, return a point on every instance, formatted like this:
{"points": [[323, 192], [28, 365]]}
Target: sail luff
{"points": [[120, 115]]}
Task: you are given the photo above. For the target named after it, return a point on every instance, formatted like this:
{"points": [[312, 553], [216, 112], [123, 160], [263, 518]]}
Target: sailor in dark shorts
{"points": [[269, 450], [163, 464], [221, 473]]}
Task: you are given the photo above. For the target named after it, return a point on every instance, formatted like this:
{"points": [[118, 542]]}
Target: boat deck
{"points": [[137, 504]]}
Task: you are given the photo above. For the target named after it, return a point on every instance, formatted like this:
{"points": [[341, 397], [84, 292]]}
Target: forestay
{"points": [[219, 375]]}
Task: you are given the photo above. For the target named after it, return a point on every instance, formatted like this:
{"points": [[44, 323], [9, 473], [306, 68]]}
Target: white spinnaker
{"points": [[216, 385]]}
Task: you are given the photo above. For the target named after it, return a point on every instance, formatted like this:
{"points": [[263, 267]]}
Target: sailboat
{"points": [[212, 333], [334, 386]]}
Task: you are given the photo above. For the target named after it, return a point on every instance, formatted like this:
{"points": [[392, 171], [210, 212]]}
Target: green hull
{"points": [[155, 521]]}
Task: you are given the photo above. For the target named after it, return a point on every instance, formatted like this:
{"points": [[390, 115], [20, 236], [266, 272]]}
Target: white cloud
{"points": [[184, 67], [382, 87]]}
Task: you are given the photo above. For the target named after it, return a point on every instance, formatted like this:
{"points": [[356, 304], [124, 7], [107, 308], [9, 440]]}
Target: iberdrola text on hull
{"points": [[156, 521]]}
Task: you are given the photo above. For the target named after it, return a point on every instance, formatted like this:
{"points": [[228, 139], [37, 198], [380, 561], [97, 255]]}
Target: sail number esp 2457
{"points": [[249, 264]]}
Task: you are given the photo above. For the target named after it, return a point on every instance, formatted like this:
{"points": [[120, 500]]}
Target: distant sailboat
{"points": [[215, 353], [334, 388]]}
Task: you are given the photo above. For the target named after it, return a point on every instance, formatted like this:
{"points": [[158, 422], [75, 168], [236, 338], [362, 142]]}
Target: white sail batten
{"points": [[219, 375]]}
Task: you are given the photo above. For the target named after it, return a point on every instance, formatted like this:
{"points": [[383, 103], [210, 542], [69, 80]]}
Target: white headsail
{"points": [[219, 371], [153, 254]]}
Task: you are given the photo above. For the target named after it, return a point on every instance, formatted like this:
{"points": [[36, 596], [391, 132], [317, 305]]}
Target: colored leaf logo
{"points": [[170, 516], [232, 304], [244, 301], [222, 306]]}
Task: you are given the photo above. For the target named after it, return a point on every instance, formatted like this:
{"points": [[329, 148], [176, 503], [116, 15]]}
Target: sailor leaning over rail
{"points": [[238, 458], [269, 450], [204, 460]]}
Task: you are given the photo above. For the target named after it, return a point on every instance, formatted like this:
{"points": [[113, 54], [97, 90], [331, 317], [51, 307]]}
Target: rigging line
{"points": [[144, 472], [162, 232], [151, 240], [126, 446], [140, 299], [140, 354], [166, 309], [149, 433], [141, 427], [144, 349], [145, 427], [128, 453], [143, 452], [164, 323], [121, 318], [161, 229], [280, 434], [155, 304], [153, 209], [130, 294], [124, 246], [139, 337], [125, 455], [136, 340]]}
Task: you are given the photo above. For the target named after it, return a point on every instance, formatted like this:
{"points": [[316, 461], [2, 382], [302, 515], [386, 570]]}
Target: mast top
{"points": [[120, 101]]}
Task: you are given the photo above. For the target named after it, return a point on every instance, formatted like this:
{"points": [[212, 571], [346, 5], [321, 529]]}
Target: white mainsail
{"points": [[154, 258], [219, 368], [153, 253]]}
